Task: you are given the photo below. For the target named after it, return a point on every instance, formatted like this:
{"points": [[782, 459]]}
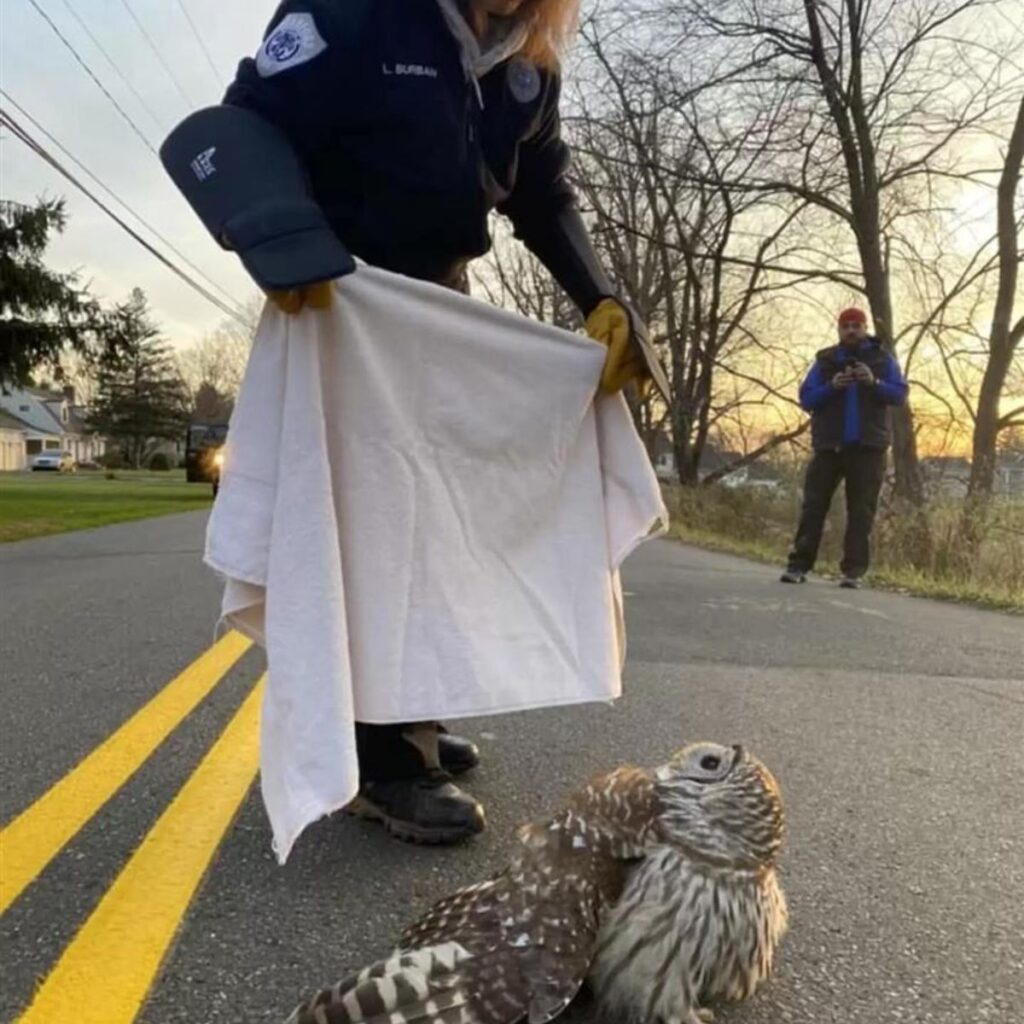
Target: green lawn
{"points": [[36, 504]]}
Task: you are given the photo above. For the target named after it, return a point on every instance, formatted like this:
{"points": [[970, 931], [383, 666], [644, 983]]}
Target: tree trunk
{"points": [[1003, 340]]}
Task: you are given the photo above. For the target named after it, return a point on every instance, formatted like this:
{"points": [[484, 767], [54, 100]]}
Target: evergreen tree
{"points": [[141, 398], [210, 405], [42, 312]]}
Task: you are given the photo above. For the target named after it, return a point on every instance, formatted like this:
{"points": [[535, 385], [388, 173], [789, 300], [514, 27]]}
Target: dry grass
{"points": [[923, 552]]}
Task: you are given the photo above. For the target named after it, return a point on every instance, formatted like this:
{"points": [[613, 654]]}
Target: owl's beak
{"points": [[738, 754]]}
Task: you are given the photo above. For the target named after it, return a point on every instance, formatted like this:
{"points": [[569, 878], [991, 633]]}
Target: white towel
{"points": [[422, 516]]}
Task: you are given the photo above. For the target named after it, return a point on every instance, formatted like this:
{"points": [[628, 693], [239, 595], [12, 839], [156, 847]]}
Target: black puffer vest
{"points": [[869, 420]]}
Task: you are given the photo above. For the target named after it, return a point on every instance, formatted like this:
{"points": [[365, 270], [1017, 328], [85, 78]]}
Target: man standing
{"points": [[848, 393]]}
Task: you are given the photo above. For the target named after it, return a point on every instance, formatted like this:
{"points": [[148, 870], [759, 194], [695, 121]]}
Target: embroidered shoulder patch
{"points": [[295, 41]]}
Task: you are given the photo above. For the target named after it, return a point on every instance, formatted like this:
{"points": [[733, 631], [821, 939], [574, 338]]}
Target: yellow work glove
{"points": [[293, 300], [614, 326]]}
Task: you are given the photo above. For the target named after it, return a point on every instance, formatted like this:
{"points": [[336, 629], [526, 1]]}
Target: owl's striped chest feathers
{"points": [[684, 935]]}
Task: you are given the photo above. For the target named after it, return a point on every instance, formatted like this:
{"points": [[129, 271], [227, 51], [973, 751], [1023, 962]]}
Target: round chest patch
{"points": [[524, 81]]}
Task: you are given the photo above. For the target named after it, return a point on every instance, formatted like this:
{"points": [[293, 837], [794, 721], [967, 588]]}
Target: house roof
{"points": [[31, 410], [8, 421]]}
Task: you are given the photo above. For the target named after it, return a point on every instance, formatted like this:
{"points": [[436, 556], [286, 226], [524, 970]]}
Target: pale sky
{"points": [[41, 74]]}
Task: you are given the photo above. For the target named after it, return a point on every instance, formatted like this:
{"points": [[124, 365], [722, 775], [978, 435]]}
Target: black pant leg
{"points": [[865, 473], [823, 476], [388, 753]]}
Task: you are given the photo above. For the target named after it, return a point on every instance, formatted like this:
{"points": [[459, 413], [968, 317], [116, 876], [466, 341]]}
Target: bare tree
{"points": [[219, 359], [514, 279], [887, 95], [1005, 337], [655, 163], [961, 343]]}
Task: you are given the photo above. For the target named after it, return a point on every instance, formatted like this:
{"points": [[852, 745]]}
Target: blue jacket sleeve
{"points": [[815, 391], [891, 388]]}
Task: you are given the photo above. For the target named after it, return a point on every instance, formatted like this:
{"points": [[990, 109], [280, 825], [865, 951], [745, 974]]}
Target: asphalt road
{"points": [[895, 725]]}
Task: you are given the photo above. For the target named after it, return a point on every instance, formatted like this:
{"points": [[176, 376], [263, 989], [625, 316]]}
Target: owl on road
{"points": [[658, 889]]}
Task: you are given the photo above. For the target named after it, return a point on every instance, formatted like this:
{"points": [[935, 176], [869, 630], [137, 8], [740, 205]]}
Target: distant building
{"points": [[1009, 481], [946, 475], [35, 420], [756, 474], [950, 475], [13, 433]]}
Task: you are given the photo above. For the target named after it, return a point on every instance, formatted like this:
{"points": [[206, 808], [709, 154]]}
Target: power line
{"points": [[88, 70], [114, 66], [25, 136], [201, 42], [117, 199], [156, 52]]}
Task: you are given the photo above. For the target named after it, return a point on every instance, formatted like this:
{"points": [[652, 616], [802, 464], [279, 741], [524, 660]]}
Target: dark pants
{"points": [[863, 469], [388, 753]]}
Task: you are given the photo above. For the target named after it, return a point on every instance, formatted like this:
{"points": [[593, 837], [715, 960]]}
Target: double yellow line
{"points": [[105, 973]]}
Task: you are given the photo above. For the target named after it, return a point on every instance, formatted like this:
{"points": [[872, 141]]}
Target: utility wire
{"points": [[88, 70], [117, 199], [8, 121], [202, 43], [114, 66], [159, 56]]}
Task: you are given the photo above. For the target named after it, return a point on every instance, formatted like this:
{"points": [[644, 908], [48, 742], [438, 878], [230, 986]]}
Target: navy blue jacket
{"points": [[859, 414], [402, 157]]}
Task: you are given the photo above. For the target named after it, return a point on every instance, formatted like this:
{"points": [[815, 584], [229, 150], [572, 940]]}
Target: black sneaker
{"points": [[429, 809], [458, 755], [792, 575], [850, 583]]}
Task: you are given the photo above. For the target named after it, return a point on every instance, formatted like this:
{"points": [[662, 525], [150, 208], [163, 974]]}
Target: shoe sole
{"points": [[797, 582], [405, 831]]}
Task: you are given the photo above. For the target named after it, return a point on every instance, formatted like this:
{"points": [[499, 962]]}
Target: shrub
{"points": [[923, 550], [160, 463]]}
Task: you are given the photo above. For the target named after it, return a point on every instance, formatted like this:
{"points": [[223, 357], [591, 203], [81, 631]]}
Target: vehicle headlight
{"points": [[218, 459]]}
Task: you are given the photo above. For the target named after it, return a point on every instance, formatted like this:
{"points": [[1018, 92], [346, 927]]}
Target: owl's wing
{"points": [[571, 870], [420, 987], [520, 945]]}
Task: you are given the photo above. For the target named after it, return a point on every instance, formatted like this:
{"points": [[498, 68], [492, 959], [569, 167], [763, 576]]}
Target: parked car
{"points": [[54, 462]]}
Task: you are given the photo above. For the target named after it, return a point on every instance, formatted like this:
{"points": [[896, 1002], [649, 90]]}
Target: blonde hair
{"points": [[552, 26]]}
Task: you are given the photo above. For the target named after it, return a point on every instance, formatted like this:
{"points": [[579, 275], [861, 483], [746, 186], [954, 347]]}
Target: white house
{"points": [[12, 442], [38, 421]]}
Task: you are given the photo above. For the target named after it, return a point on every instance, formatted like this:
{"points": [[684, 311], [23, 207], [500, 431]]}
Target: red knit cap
{"points": [[853, 316]]}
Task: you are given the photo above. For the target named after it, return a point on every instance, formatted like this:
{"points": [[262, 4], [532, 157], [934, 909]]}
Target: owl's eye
{"points": [[710, 763]]}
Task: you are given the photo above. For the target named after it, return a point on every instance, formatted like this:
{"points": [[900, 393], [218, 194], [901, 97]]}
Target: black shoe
{"points": [[430, 809], [458, 755], [850, 583], [792, 575]]}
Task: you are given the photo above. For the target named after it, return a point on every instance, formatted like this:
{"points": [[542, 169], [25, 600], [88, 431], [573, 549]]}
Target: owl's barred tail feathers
{"points": [[419, 987]]}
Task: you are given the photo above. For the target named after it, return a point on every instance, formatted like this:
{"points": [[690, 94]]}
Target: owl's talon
{"points": [[708, 1016]]}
